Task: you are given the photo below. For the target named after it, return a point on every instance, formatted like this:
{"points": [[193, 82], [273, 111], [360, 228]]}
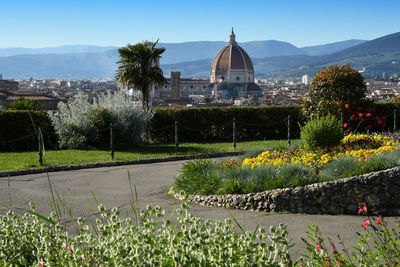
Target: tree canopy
{"points": [[24, 104], [332, 88], [138, 67]]}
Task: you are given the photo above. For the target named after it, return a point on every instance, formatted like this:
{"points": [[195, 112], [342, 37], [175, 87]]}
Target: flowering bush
{"points": [[149, 240], [378, 246], [79, 123], [359, 146]]}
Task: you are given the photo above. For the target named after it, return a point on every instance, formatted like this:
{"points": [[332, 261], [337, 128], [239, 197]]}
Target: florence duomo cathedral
{"points": [[232, 76]]}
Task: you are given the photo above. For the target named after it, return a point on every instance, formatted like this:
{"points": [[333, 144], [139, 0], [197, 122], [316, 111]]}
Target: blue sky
{"points": [[42, 23]]}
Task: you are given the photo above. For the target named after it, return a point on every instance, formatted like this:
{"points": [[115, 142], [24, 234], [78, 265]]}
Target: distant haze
{"points": [[193, 59]]}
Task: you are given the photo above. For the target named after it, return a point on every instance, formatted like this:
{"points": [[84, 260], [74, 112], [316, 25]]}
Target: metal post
{"points": [[341, 121], [234, 132], [395, 120], [112, 141], [288, 130], [40, 142], [176, 138]]}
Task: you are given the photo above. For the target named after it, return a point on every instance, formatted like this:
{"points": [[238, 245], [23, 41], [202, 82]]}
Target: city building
{"points": [[306, 80], [232, 76], [8, 85]]}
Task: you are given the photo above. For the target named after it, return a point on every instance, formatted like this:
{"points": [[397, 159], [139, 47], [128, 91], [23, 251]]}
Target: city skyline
{"points": [[36, 24]]}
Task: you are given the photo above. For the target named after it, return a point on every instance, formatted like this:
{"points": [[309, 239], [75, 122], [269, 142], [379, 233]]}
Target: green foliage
{"points": [[17, 133], [198, 177], [215, 124], [151, 239], [23, 104], [322, 131], [332, 88], [138, 68], [81, 124], [378, 245], [203, 177], [340, 168], [349, 166]]}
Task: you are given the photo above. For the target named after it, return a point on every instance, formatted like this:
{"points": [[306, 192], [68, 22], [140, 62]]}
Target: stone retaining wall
{"points": [[379, 190]]}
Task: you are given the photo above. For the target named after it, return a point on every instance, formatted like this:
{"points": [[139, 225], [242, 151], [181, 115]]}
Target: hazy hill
{"points": [[376, 56], [193, 59], [65, 49], [319, 50]]}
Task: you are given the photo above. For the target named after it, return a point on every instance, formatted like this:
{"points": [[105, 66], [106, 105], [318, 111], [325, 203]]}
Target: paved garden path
{"points": [[111, 187]]}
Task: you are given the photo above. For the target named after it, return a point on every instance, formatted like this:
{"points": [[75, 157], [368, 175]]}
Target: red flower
{"points": [[351, 132], [378, 221], [346, 105], [369, 126], [359, 108], [352, 117], [380, 122], [368, 115], [366, 223], [318, 247], [360, 114], [384, 118], [345, 125], [363, 209], [377, 118]]}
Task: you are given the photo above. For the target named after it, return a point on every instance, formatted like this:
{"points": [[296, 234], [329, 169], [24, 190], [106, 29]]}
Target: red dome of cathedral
{"points": [[232, 63], [232, 56]]}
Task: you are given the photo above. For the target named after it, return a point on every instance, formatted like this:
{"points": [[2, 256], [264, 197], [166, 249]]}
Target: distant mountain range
{"points": [[193, 59], [381, 55]]}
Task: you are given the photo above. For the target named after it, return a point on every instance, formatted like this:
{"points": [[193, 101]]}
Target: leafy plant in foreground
{"points": [[152, 240], [322, 131]]}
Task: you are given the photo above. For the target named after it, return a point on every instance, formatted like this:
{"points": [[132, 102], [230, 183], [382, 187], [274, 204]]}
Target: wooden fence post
{"points": [[288, 131], [112, 141], [176, 138], [40, 142], [234, 132]]}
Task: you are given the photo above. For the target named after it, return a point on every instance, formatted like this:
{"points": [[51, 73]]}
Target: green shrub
{"points": [[17, 130], [198, 177], [340, 168], [322, 131], [215, 124], [205, 177], [296, 175], [150, 239], [23, 104], [80, 124]]}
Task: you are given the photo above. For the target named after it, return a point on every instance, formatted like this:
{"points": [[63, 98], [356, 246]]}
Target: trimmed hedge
{"points": [[16, 126], [195, 125], [215, 124]]}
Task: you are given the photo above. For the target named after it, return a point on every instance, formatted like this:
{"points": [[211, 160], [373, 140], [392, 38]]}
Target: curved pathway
{"points": [[111, 187]]}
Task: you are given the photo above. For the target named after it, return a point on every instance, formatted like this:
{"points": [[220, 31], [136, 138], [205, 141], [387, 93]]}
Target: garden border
{"points": [[378, 190], [118, 163]]}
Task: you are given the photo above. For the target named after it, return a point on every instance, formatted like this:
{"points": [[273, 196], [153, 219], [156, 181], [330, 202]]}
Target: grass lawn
{"points": [[28, 160]]}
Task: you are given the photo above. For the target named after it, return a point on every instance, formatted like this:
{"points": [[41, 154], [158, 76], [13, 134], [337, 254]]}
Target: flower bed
{"points": [[359, 146], [269, 170]]}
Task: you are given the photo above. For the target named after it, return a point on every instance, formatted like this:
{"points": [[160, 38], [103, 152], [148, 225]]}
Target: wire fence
{"points": [[236, 127]]}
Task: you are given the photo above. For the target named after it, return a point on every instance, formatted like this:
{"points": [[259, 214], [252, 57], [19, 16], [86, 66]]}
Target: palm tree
{"points": [[138, 67]]}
